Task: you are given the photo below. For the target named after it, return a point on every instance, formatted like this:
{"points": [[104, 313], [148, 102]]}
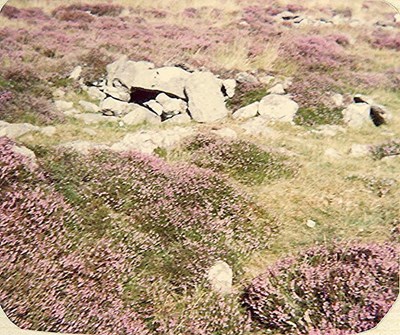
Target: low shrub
{"points": [[240, 159], [391, 148], [321, 115], [101, 9], [12, 12], [341, 288], [194, 215], [383, 40], [51, 280]]}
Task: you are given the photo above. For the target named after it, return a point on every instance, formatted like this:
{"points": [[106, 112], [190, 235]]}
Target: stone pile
{"points": [[139, 92]]}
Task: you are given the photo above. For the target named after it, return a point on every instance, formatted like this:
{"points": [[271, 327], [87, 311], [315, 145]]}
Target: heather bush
{"points": [[73, 15], [246, 94], [315, 52], [94, 65], [101, 9], [384, 40], [240, 159], [340, 288], [205, 313], [313, 116], [391, 148], [195, 216], [23, 13], [50, 279]]}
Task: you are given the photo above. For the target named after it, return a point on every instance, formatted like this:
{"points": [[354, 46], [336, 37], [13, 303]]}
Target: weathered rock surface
{"points": [[170, 105], [277, 89], [95, 93], [89, 106], [246, 112], [118, 93], [84, 147], [179, 119], [277, 107], [115, 107], [229, 86], [90, 118], [206, 101], [220, 277], [15, 130], [63, 106], [155, 107], [76, 73], [360, 150], [48, 131], [357, 115], [140, 115], [148, 140]]}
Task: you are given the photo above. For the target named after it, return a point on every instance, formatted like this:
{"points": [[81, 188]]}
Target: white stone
{"points": [[311, 224], [90, 118], [226, 133], [357, 115], [360, 150], [337, 99], [142, 75], [266, 80], [95, 93], [84, 147], [332, 153], [58, 93], [48, 131], [63, 106], [206, 101], [115, 107], [155, 107], [118, 93], [170, 105], [76, 73], [257, 127], [275, 107], [15, 130], [148, 140], [246, 78], [140, 115], [246, 112], [220, 277], [230, 86], [89, 107], [179, 119], [277, 89]]}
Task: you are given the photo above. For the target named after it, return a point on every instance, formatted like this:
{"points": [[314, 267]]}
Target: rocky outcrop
{"points": [[206, 102]]}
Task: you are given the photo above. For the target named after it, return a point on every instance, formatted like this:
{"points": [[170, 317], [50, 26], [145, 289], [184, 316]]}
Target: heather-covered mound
{"points": [[341, 289], [219, 168]]}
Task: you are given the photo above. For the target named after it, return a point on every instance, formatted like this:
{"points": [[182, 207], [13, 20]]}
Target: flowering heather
{"points": [[316, 52], [194, 216], [101, 9], [384, 40], [240, 159], [342, 287], [23, 13], [214, 315], [51, 281], [391, 148]]}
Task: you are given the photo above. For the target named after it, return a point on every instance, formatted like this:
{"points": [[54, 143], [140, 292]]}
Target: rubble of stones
{"points": [[137, 92]]}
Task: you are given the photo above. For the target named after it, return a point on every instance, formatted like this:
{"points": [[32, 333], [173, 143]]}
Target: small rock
{"points": [[170, 105], [95, 93], [357, 115], [246, 112], [360, 150], [229, 86], [76, 73], [15, 130], [337, 99], [63, 106], [48, 131], [90, 118], [118, 93], [226, 133], [266, 80], [84, 147], [277, 89], [275, 107], [179, 119], [89, 107], [220, 276], [141, 115], [58, 93], [206, 101], [246, 78], [311, 223], [257, 127], [115, 107], [332, 153], [155, 107]]}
